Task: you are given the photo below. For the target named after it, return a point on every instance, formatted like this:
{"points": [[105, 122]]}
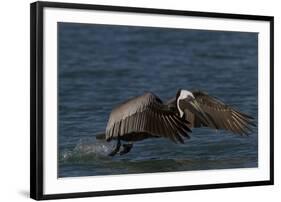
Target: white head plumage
{"points": [[183, 94]]}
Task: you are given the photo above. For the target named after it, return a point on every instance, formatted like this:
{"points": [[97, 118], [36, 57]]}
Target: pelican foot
{"points": [[116, 149], [126, 149]]}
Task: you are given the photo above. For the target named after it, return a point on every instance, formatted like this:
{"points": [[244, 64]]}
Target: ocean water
{"points": [[103, 65]]}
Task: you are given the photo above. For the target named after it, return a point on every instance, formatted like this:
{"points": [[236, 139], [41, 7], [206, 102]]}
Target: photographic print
{"points": [[167, 100], [144, 99]]}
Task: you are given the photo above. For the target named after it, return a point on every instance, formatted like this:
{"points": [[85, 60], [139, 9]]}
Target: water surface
{"points": [[103, 65]]}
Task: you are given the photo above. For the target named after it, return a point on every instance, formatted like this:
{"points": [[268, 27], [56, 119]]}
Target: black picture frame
{"points": [[37, 99]]}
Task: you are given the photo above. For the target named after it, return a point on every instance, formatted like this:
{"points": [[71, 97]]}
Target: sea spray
{"points": [[85, 151]]}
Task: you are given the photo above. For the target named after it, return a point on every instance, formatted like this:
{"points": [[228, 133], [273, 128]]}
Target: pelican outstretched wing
{"points": [[220, 115], [145, 116]]}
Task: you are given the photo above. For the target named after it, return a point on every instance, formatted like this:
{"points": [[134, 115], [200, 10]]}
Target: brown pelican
{"points": [[146, 116]]}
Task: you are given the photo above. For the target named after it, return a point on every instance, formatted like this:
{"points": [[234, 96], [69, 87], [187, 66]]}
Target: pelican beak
{"points": [[195, 104], [195, 108], [203, 115]]}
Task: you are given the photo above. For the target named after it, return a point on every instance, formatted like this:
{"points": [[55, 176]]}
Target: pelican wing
{"points": [[145, 116], [221, 116]]}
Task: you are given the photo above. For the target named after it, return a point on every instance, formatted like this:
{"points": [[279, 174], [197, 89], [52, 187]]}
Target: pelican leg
{"points": [[116, 149], [126, 148]]}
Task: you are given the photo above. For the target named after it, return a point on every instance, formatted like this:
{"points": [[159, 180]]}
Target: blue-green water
{"points": [[102, 65]]}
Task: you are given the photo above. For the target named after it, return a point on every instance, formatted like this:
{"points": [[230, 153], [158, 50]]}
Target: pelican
{"points": [[146, 116]]}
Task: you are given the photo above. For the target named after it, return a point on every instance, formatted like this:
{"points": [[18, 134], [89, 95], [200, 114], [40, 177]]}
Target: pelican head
{"points": [[183, 95]]}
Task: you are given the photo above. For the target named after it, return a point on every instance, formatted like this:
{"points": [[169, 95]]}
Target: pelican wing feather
{"points": [[145, 116], [221, 115]]}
